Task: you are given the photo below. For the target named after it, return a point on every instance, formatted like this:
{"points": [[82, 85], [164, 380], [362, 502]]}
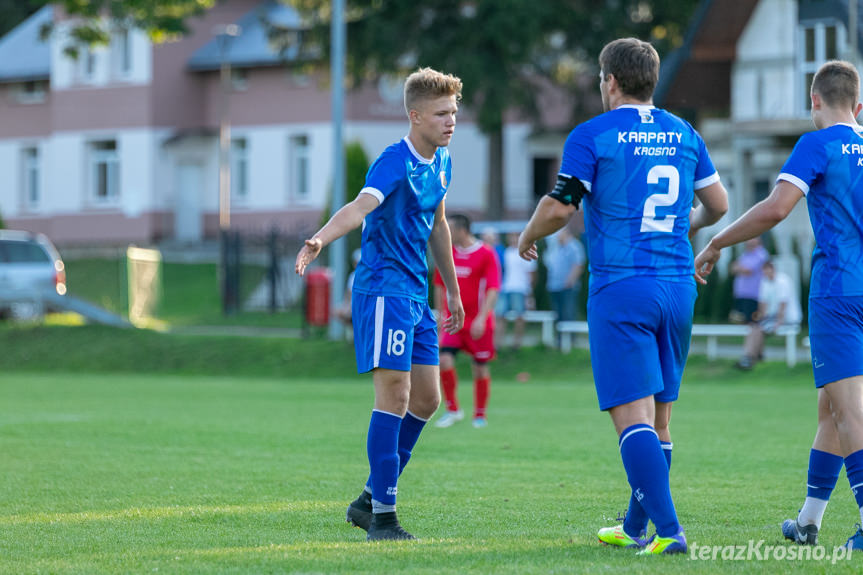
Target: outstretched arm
{"points": [[550, 215], [441, 247], [757, 220], [348, 218]]}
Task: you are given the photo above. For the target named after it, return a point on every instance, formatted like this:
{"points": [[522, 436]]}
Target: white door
{"points": [[188, 225]]}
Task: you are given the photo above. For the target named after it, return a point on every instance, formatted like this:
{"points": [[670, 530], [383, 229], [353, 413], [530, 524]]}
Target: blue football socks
{"points": [[635, 521], [382, 447], [823, 473], [409, 433], [647, 471], [854, 471]]}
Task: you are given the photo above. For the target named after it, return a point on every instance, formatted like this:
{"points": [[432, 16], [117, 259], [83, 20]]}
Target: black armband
{"points": [[568, 190]]}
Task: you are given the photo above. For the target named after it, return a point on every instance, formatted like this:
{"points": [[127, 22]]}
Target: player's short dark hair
{"points": [[428, 84], [838, 84], [634, 64], [460, 221]]}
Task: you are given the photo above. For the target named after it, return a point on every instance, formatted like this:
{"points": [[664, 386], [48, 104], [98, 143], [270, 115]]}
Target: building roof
{"points": [[252, 47], [23, 54], [698, 74]]}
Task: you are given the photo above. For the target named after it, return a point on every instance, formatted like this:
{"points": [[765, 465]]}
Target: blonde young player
{"points": [[401, 209]]}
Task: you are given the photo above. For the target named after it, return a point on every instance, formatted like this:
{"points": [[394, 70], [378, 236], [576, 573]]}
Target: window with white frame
{"points": [[31, 191], [239, 169], [121, 53], [104, 171], [31, 92], [298, 175], [86, 64], [820, 42]]}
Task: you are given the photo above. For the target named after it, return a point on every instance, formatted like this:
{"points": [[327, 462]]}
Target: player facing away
{"points": [[638, 170], [401, 209], [826, 167], [478, 274]]}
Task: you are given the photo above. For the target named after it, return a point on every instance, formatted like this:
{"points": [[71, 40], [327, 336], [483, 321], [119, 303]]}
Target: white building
{"points": [[121, 145], [745, 72]]}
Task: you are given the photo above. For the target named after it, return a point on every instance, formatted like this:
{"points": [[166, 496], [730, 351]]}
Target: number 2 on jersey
{"points": [[649, 221]]}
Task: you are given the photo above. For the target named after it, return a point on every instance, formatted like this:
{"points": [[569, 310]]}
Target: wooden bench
{"points": [[544, 317], [567, 329], [711, 331]]}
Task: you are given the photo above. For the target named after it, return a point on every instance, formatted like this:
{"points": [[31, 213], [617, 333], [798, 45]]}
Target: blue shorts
{"points": [[639, 334], [836, 338], [393, 332]]}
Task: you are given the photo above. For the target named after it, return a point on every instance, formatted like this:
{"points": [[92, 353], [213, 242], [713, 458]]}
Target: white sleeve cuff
{"points": [[804, 187], [374, 192], [704, 182]]}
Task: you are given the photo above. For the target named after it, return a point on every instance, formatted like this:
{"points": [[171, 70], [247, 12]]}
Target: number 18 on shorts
{"points": [[393, 333]]}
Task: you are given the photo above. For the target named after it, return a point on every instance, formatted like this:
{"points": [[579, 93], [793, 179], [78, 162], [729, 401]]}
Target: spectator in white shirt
{"points": [[778, 305], [516, 290]]}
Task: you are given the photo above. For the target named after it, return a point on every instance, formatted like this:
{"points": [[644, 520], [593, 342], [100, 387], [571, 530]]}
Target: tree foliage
{"points": [[95, 19], [503, 50]]}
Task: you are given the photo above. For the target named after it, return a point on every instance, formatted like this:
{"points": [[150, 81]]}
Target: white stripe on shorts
{"points": [[379, 329]]}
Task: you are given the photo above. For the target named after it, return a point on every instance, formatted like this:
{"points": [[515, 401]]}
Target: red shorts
{"points": [[481, 350]]}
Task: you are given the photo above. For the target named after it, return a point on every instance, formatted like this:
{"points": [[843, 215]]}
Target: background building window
{"points": [[821, 42], [31, 191], [86, 65], [121, 53], [104, 171], [298, 163], [31, 92], [239, 168]]}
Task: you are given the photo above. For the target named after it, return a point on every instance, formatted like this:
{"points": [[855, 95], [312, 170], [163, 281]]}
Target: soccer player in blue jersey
{"points": [[638, 170], [826, 167], [401, 209]]}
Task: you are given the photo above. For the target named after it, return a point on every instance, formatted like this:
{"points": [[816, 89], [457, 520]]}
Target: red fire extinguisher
{"points": [[318, 296]]}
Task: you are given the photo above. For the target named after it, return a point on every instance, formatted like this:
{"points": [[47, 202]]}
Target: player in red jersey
{"points": [[478, 272]]}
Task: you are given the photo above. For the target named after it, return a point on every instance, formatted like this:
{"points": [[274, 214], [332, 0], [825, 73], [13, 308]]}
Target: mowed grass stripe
{"points": [[198, 474]]}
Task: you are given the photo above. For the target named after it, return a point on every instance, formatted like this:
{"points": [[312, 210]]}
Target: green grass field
{"points": [[185, 455]]}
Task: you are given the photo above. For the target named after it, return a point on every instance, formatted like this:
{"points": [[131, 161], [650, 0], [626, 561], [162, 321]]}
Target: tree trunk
{"points": [[494, 202]]}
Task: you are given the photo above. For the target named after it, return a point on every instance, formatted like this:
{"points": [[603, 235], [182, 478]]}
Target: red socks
{"points": [[449, 382], [480, 396]]}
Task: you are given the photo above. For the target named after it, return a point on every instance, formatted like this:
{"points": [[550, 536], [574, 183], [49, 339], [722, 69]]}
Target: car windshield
{"points": [[22, 252]]}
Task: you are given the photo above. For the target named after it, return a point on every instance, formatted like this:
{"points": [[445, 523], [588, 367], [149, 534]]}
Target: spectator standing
{"points": [[564, 261], [516, 290], [747, 278]]}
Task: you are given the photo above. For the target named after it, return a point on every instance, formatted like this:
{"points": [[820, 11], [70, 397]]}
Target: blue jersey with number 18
{"points": [[396, 233], [641, 166]]}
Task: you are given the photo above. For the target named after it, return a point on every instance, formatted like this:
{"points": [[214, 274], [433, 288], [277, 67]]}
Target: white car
{"points": [[31, 272]]}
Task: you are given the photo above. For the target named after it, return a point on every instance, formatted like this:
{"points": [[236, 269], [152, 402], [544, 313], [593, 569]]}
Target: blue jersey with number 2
{"points": [[641, 166], [827, 166], [396, 233]]}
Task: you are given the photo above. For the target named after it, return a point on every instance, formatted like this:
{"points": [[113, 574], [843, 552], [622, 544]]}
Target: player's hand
{"points": [[307, 255], [705, 261], [526, 249], [477, 328], [455, 321]]}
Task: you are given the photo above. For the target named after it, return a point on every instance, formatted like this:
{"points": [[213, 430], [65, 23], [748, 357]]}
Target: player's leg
{"points": [[836, 338], [673, 335], [623, 317], [421, 402], [635, 520], [482, 351], [481, 391], [449, 380], [383, 340], [825, 463]]}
